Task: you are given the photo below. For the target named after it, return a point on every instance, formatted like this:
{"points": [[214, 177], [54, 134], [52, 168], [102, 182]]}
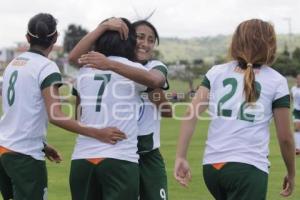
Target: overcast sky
{"points": [[173, 18]]}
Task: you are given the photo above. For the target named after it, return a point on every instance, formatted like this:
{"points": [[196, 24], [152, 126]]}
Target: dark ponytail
{"points": [[42, 30]]}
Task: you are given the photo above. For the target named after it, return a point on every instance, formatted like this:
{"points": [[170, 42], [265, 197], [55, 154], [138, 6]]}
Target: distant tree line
{"points": [[288, 63], [73, 35]]}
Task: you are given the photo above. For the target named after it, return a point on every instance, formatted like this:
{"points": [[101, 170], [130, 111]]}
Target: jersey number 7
{"points": [[105, 78]]}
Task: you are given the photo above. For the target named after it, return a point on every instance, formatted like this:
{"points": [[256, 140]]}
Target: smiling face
{"points": [[145, 43]]}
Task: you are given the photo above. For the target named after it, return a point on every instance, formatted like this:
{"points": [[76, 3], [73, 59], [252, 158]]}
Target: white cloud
{"points": [[176, 18]]}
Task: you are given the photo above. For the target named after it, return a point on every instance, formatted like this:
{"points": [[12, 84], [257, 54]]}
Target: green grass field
{"points": [[58, 174]]}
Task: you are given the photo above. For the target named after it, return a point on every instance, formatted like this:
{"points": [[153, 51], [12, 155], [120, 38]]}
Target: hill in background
{"points": [[210, 48]]}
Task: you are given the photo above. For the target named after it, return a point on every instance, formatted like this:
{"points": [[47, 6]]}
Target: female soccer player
{"points": [[99, 170], [242, 97], [30, 97], [296, 112], [153, 179]]}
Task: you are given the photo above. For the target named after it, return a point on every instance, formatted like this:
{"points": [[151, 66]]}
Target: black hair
{"points": [[111, 44], [146, 23], [42, 30]]}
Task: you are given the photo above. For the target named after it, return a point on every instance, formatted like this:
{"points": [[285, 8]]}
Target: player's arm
{"points": [[198, 105], [57, 117], [152, 79], [158, 97], [287, 147], [86, 43]]}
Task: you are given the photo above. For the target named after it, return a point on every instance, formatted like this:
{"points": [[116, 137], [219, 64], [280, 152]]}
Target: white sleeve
{"points": [[282, 95], [139, 87], [158, 65], [209, 78], [155, 64], [49, 75]]}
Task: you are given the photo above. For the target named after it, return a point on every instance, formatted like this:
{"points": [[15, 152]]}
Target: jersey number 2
{"points": [[11, 88], [227, 112], [105, 78]]}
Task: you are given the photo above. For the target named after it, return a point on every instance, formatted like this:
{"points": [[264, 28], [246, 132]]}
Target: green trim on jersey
{"points": [[54, 78], [283, 102], [162, 69], [74, 92], [206, 83], [145, 143]]}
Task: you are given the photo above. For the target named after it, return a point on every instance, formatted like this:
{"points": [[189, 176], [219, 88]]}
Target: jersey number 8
{"points": [[11, 88]]}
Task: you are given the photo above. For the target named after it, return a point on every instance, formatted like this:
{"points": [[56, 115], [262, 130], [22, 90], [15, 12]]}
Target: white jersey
{"points": [[237, 132], [296, 97], [24, 122], [108, 99], [149, 122]]}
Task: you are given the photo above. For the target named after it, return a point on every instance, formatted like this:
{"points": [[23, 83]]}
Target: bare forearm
{"points": [[285, 138], [186, 132], [287, 148], [147, 78], [199, 104], [60, 119]]}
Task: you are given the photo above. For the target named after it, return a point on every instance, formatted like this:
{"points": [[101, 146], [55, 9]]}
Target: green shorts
{"points": [[109, 179], [24, 175], [153, 177], [236, 181], [5, 184]]}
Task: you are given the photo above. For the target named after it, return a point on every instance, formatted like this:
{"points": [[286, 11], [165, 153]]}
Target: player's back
{"points": [[24, 121], [240, 131], [108, 100]]}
